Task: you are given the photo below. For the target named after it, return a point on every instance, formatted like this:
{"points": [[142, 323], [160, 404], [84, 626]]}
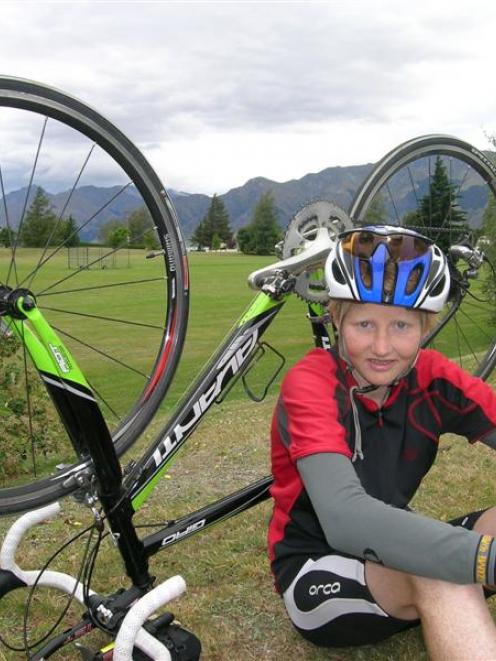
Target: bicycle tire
{"points": [[113, 150], [402, 162]]}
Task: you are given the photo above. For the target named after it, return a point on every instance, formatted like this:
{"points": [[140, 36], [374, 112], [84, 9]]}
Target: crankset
{"points": [[301, 232]]}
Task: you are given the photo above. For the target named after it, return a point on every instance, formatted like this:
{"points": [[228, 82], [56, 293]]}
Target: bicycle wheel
{"points": [[445, 188], [80, 210]]}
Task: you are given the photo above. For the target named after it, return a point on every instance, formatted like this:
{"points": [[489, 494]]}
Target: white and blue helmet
{"points": [[356, 267]]}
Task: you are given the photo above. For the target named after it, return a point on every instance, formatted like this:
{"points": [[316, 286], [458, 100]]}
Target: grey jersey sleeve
{"points": [[356, 523]]}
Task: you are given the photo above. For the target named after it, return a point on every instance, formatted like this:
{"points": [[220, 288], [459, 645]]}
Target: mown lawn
{"points": [[230, 603]]}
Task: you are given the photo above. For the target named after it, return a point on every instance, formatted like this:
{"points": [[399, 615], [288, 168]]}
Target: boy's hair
{"points": [[338, 309]]}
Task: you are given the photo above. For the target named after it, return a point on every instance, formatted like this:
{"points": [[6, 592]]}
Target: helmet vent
{"points": [[366, 272], [337, 274], [439, 287], [414, 279]]}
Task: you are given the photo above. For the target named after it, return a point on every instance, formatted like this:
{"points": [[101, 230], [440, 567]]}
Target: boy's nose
{"points": [[381, 344]]}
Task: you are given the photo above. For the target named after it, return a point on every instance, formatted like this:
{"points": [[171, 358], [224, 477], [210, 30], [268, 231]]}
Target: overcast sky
{"points": [[215, 93]]}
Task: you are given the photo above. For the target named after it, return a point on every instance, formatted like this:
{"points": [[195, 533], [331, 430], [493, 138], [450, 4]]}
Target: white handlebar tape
{"points": [[130, 632], [19, 529], [50, 579], [139, 613]]}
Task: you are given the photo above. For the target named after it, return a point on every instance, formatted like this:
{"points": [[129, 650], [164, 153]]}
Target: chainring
{"points": [[301, 231]]}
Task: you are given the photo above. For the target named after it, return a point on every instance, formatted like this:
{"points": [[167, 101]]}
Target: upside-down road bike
{"points": [[101, 345]]}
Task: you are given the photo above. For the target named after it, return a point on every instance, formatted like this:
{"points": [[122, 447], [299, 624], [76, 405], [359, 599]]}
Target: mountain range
{"points": [[335, 183]]}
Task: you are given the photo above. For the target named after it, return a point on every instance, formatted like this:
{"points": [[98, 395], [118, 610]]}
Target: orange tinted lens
{"points": [[400, 246]]}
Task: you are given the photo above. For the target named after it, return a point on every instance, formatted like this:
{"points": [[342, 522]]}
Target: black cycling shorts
{"points": [[330, 604]]}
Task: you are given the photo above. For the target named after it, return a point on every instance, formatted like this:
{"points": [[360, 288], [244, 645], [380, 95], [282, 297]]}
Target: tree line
{"points": [[259, 237], [136, 231], [438, 208], [41, 227]]}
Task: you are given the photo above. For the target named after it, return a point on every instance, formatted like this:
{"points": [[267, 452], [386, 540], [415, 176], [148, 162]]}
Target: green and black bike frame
{"points": [[83, 421], [121, 497]]}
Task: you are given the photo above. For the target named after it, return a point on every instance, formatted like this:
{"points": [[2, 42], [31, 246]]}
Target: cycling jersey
{"points": [[314, 415]]}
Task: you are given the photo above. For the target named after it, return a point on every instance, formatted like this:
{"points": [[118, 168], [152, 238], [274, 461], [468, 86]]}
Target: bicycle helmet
{"points": [[389, 265]]}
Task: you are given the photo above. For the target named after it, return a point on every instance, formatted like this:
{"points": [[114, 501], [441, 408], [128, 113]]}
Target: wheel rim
{"points": [[122, 316]]}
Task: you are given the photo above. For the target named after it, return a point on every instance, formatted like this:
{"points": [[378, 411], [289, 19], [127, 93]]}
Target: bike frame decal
{"points": [[46, 350], [208, 515], [260, 304], [233, 356], [68, 389]]}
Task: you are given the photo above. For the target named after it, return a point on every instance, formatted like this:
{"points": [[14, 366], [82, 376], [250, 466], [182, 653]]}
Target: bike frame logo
{"points": [[61, 358], [229, 365], [174, 537]]}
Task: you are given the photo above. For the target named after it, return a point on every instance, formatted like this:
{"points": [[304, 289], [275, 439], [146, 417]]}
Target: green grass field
{"points": [[230, 603]]}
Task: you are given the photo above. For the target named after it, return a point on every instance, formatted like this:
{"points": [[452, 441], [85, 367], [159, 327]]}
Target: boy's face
{"points": [[381, 341]]}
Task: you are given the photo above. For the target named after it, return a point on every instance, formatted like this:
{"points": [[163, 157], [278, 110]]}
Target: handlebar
{"points": [[131, 625], [51, 579], [130, 633]]}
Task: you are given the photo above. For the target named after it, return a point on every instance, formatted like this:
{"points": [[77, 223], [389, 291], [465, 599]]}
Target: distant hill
{"points": [[101, 204]]}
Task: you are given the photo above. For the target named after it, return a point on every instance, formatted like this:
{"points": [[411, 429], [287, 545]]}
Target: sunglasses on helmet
{"points": [[401, 247]]}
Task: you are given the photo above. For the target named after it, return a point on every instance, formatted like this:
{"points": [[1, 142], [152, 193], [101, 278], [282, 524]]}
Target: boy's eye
{"points": [[401, 324], [364, 324]]}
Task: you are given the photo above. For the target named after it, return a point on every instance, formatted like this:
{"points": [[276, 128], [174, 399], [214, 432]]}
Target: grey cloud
{"points": [[198, 66], [175, 71], [288, 72]]}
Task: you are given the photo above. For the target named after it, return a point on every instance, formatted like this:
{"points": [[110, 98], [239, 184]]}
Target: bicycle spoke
{"points": [[10, 232], [391, 197], [100, 352], [23, 214], [99, 260], [102, 399], [124, 330], [414, 188], [41, 260], [95, 287], [85, 224], [464, 335], [105, 318]]}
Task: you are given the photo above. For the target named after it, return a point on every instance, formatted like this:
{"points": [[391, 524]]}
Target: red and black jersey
{"points": [[399, 439]]}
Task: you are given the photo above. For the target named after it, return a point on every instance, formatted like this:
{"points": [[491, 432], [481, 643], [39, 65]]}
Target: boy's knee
{"points": [[486, 524], [430, 593]]}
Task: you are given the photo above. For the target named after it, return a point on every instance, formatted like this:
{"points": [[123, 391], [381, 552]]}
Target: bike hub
{"points": [[10, 301]]}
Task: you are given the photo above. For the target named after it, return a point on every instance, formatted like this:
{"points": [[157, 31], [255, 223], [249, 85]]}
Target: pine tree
{"points": [[139, 222], [244, 237], [438, 211], [215, 225], [262, 234], [39, 227], [70, 235], [7, 237], [218, 220], [199, 237]]}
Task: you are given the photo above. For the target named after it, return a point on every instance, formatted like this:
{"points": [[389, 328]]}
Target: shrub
{"points": [[27, 425]]}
